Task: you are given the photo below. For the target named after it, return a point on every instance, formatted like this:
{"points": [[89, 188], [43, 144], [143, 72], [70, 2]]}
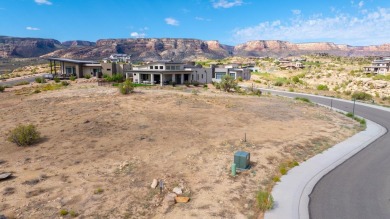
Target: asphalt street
{"points": [[13, 82], [359, 188]]}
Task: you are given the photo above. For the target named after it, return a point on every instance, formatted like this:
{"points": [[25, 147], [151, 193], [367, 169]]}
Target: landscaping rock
{"points": [[170, 198], [182, 199], [177, 190], [154, 184], [5, 176]]}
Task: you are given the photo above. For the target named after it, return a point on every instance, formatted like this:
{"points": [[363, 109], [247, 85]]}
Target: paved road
{"points": [[13, 82], [360, 187]]}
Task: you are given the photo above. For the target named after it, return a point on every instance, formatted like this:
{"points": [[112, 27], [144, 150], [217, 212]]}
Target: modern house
{"points": [[292, 65], [233, 70], [379, 66], [158, 72], [72, 67], [81, 68], [118, 58], [165, 72]]}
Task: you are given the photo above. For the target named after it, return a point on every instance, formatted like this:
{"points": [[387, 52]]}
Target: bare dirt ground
{"points": [[101, 150]]}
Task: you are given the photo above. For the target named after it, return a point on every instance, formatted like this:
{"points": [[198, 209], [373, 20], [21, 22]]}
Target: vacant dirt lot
{"points": [[101, 150]]}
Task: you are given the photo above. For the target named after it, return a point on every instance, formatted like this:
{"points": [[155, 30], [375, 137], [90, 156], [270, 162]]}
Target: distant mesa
{"points": [[179, 49]]}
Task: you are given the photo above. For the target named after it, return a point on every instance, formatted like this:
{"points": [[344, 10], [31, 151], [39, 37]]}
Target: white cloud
{"points": [[296, 11], [371, 28], [137, 35], [32, 28], [226, 3], [361, 3], [43, 2], [202, 19], [171, 21]]}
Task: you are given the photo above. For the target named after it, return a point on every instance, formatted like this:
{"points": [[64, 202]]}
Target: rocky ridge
{"points": [[178, 49]]}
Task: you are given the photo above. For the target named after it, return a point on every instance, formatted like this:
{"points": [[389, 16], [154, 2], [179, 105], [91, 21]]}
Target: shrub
{"points": [[257, 92], [2, 88], [57, 80], [278, 83], [63, 212], [64, 83], [361, 96], [87, 76], [195, 83], [303, 99], [126, 87], [239, 79], [73, 214], [322, 87], [217, 86], [295, 79], [276, 179], [187, 83], [227, 83], [265, 200], [72, 78], [24, 135], [21, 83], [38, 80], [173, 83], [347, 92], [283, 170], [205, 86], [116, 78], [98, 191]]}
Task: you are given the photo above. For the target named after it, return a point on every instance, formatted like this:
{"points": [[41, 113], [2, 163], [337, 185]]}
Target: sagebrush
{"points": [[24, 135]]}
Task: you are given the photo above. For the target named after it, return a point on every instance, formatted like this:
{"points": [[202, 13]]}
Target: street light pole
{"points": [[353, 109]]}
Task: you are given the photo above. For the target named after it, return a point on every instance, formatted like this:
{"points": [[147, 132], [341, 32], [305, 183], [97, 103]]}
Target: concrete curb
{"points": [[291, 195]]}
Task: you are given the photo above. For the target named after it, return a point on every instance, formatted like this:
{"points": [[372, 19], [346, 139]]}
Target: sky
{"points": [[231, 22]]}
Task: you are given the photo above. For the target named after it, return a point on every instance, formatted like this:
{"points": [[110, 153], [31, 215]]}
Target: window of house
{"points": [[108, 69], [202, 76], [161, 67], [150, 67], [156, 67], [168, 67], [69, 70], [219, 75], [177, 67], [233, 75], [192, 77]]}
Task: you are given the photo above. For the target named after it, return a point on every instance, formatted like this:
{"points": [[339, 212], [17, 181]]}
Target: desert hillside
{"points": [[100, 151]]}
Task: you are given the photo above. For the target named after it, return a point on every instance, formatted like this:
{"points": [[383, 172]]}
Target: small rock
{"points": [[246, 206], [177, 190], [154, 184], [5, 175], [170, 198], [182, 199]]}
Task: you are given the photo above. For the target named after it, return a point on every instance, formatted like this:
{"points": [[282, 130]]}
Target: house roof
{"points": [[73, 61]]}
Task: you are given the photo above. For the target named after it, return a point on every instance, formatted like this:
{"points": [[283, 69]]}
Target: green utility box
{"points": [[242, 159]]}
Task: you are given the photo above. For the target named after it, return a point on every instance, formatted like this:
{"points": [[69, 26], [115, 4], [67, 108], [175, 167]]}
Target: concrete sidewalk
{"points": [[291, 195]]}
